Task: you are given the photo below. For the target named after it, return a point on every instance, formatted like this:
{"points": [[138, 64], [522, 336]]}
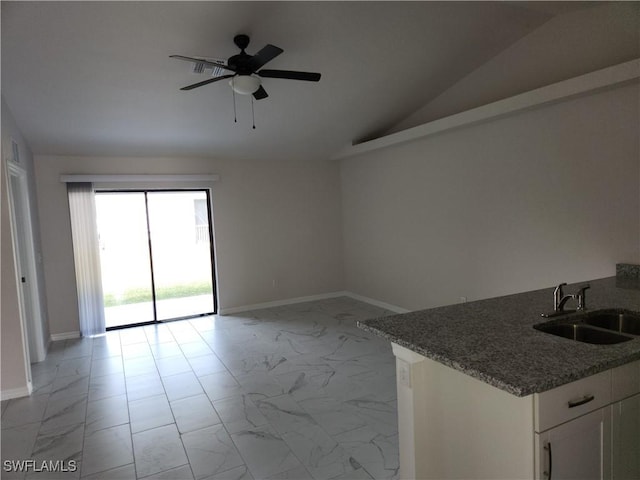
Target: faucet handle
{"points": [[580, 296]]}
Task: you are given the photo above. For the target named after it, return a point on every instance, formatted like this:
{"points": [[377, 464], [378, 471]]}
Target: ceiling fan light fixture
{"points": [[245, 84]]}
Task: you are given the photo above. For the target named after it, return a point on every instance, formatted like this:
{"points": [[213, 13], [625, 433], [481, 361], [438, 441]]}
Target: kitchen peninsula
{"points": [[483, 394]]}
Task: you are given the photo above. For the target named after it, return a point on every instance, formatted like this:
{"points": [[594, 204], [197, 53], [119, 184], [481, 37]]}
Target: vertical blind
{"points": [[86, 255]]}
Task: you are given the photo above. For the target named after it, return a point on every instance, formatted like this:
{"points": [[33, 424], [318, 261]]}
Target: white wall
{"points": [[14, 376], [273, 221], [510, 205], [568, 45]]}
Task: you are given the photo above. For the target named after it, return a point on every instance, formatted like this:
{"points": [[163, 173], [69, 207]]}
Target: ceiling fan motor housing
{"points": [[240, 63], [241, 41]]}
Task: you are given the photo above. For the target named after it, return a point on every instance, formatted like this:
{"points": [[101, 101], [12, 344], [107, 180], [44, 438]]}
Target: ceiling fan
{"points": [[247, 69]]}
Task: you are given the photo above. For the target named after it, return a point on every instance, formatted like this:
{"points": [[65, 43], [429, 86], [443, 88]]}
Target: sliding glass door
{"points": [[124, 258], [156, 255], [181, 246]]}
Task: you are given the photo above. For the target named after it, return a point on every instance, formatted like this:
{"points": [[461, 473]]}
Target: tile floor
{"points": [[292, 392]]}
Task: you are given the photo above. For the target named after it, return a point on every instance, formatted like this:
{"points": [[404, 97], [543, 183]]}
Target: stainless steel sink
{"points": [[617, 321], [583, 333], [600, 327]]}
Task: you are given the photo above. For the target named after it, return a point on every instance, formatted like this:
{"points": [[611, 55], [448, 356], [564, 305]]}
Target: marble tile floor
{"points": [[291, 392]]}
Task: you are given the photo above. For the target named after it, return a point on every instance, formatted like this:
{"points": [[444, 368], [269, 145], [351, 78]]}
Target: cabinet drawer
{"points": [[571, 400], [625, 381]]}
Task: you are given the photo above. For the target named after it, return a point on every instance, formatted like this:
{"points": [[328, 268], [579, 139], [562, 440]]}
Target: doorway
{"points": [[156, 255], [26, 264]]}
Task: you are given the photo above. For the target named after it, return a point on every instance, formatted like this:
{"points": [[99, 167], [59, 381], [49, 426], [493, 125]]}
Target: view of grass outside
{"points": [[143, 294]]}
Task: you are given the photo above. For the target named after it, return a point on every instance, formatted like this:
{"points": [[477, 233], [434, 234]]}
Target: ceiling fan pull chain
{"points": [[253, 115], [235, 116]]}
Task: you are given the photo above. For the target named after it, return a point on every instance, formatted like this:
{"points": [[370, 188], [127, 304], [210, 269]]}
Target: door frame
{"points": [[145, 191], [25, 261]]}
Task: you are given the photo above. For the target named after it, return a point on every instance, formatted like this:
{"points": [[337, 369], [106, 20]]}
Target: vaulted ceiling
{"points": [[95, 78]]}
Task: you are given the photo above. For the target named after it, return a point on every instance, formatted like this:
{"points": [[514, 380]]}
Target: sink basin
{"points": [[623, 322], [582, 333], [600, 327]]}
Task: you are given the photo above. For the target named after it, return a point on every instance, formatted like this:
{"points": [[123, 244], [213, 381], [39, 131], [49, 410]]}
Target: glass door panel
{"points": [[181, 253], [124, 258]]}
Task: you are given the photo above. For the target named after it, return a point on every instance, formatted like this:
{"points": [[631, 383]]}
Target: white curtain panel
{"points": [[86, 254]]}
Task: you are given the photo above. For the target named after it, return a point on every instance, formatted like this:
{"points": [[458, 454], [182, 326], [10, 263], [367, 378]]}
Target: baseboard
{"points": [[279, 303], [16, 392], [377, 303], [311, 298], [55, 337]]}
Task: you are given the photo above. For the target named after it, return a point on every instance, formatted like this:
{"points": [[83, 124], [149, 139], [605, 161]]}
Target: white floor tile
{"points": [[210, 451], [194, 413], [65, 444], [239, 413], [166, 349], [126, 472], [220, 385], [181, 385], [106, 386], [68, 386], [285, 414], [106, 412], [298, 473], [20, 411], [150, 412], [106, 449], [264, 451], [238, 473], [206, 364], [64, 411], [158, 450], [144, 386], [168, 366], [17, 444], [179, 473], [74, 366], [107, 366]]}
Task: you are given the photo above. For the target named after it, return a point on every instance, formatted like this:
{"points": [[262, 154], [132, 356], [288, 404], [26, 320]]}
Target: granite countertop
{"points": [[494, 340]]}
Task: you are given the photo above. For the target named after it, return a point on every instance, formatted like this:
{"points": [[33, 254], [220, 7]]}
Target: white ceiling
{"points": [[95, 78]]}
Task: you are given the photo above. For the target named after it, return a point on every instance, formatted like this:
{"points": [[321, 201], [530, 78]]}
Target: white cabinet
{"points": [[453, 426], [625, 422], [625, 419], [590, 429], [577, 450], [573, 425]]}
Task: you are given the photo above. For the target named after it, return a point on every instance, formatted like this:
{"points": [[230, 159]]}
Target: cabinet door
{"points": [[579, 449], [626, 438]]}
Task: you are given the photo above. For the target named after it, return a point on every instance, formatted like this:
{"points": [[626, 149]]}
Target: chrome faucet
{"points": [[560, 299]]}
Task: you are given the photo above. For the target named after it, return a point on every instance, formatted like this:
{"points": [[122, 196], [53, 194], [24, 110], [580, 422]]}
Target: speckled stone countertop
{"points": [[494, 340]]}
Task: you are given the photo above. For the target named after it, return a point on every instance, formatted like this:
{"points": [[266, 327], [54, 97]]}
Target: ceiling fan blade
{"points": [[290, 74], [260, 93], [206, 82], [268, 53], [200, 60]]}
